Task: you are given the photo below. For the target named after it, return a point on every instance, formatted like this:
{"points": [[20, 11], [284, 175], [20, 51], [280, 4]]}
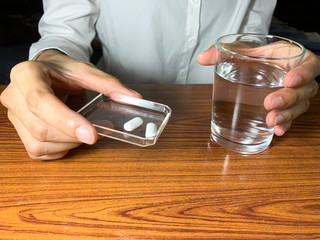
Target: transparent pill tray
{"points": [[108, 112]]}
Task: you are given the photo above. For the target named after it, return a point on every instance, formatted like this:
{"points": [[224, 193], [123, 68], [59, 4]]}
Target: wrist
{"points": [[45, 54]]}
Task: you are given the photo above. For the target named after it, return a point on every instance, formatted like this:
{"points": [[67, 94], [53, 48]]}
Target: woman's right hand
{"points": [[46, 126]]}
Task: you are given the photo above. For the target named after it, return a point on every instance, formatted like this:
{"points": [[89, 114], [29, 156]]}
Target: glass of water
{"points": [[248, 68]]}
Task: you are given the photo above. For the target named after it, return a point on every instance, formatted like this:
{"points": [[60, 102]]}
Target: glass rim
{"points": [[303, 49]]}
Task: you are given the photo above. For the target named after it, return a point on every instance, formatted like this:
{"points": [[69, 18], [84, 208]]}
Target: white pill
{"points": [[151, 130], [133, 124]]}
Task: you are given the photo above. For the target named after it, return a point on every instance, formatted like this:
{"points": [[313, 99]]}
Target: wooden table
{"points": [[184, 187]]}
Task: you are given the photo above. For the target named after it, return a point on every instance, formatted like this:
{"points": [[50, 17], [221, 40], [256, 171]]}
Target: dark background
{"points": [[18, 29], [19, 20], [301, 14]]}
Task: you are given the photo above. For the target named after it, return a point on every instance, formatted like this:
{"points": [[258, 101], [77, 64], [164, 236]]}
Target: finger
{"points": [[52, 111], [277, 117], [41, 131], [89, 77], [281, 129], [103, 82], [37, 149], [288, 97], [304, 73], [50, 157], [34, 85], [208, 57]]}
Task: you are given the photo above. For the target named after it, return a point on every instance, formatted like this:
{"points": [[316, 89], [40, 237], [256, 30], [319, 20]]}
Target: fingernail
{"points": [[85, 135], [295, 81], [276, 102], [278, 131], [135, 92], [278, 119], [282, 129]]}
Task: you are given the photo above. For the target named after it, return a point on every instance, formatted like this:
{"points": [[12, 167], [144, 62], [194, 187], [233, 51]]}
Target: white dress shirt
{"points": [[148, 41]]}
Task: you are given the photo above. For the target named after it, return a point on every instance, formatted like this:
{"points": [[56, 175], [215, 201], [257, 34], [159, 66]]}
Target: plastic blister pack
{"points": [[108, 112]]}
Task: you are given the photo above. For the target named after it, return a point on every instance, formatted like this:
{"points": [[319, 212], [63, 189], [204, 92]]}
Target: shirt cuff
{"points": [[66, 46]]}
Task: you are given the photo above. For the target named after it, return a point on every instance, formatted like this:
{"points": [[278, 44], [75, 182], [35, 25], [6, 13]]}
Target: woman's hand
{"points": [[294, 99], [46, 126], [291, 101]]}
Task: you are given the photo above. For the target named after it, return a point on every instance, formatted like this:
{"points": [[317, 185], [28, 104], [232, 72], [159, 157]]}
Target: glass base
{"points": [[240, 148]]}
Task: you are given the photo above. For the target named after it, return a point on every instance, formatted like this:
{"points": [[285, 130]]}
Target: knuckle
{"points": [[19, 70], [16, 70], [40, 132], [33, 100], [306, 105], [3, 98], [289, 115], [6, 96], [68, 123], [297, 97], [36, 149]]}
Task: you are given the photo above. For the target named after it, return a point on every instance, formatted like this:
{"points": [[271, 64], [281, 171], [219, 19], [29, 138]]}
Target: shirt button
{"points": [[192, 42], [196, 1], [183, 73]]}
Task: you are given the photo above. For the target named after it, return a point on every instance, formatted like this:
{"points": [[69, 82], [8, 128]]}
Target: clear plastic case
{"points": [[108, 112]]}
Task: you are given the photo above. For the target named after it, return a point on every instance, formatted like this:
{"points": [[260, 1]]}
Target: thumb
{"points": [[78, 75], [91, 78], [208, 57]]}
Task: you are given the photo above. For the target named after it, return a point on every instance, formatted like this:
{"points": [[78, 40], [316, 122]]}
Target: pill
{"points": [[133, 124], [151, 130]]}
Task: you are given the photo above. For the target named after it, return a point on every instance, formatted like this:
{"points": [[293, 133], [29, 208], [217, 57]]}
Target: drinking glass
{"points": [[248, 68]]}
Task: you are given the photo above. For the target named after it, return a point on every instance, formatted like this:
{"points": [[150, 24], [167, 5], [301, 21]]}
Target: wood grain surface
{"points": [[184, 187]]}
